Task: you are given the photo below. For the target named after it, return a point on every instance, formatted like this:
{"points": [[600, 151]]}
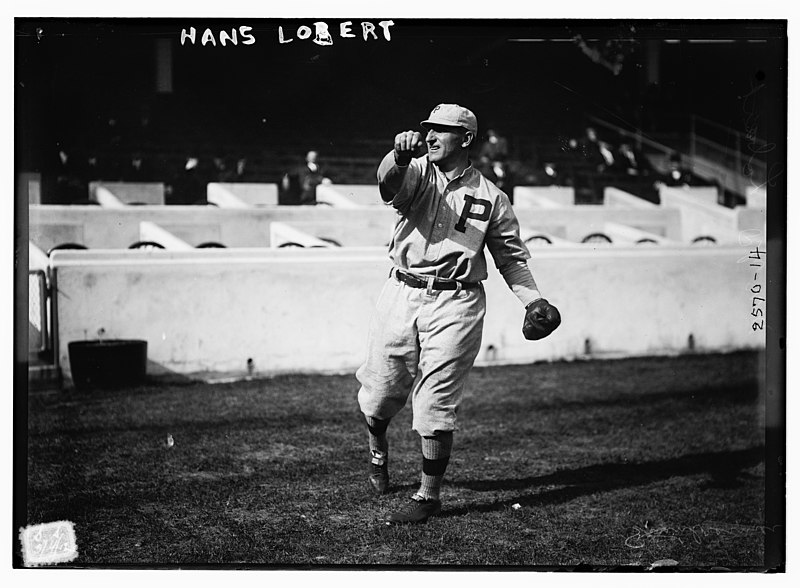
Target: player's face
{"points": [[445, 144]]}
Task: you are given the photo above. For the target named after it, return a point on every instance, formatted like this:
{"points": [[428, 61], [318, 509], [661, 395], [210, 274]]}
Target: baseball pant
{"points": [[421, 342]]}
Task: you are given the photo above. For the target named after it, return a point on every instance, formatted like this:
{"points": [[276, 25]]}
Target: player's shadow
{"points": [[723, 468]]}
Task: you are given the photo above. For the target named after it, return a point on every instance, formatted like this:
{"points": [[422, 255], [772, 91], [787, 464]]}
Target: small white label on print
{"points": [[48, 543]]}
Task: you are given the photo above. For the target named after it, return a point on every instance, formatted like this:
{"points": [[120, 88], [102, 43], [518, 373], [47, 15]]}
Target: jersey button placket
{"points": [[442, 220]]}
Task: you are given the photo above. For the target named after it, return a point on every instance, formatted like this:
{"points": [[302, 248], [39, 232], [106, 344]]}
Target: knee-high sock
{"points": [[435, 457], [377, 435]]}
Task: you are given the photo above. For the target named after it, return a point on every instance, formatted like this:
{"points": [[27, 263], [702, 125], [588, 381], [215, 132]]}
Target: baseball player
{"points": [[426, 330]]}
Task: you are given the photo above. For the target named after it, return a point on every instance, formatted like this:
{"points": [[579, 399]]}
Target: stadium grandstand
{"points": [[640, 157]]}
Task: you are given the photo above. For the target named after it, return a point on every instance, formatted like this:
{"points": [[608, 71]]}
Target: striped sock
{"points": [[377, 434], [435, 457]]}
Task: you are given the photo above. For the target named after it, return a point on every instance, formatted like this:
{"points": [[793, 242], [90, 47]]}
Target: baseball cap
{"points": [[452, 115]]}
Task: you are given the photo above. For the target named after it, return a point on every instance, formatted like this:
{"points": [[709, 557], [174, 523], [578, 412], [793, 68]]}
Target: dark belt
{"points": [[438, 284]]}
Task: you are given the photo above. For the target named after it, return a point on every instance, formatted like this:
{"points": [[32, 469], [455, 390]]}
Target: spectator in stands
{"points": [[679, 174], [494, 148], [223, 170], [633, 164], [499, 173], [597, 152], [493, 162], [100, 167], [628, 162], [68, 172], [299, 186], [142, 132], [188, 186], [242, 174], [551, 176], [138, 169], [590, 158], [231, 169], [633, 173], [112, 137]]}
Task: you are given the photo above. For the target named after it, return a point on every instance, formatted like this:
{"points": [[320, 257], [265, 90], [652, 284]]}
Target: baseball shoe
{"points": [[379, 472], [416, 510]]}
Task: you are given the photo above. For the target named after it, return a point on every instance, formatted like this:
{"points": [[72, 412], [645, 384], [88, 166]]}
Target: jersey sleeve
{"points": [[399, 184], [509, 251]]}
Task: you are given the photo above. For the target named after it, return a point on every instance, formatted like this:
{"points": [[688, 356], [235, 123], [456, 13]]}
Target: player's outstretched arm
{"points": [[406, 145], [394, 167]]}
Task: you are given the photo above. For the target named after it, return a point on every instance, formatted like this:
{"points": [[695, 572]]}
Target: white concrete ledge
{"points": [[222, 197], [37, 259], [616, 198], [152, 232], [106, 198], [620, 233], [544, 196], [283, 233], [131, 192], [242, 194], [329, 195]]}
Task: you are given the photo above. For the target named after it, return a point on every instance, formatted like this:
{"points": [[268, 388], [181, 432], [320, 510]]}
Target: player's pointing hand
{"points": [[405, 145]]}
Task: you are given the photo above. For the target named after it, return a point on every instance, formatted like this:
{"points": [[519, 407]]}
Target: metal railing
{"points": [[739, 152], [637, 136], [732, 158]]}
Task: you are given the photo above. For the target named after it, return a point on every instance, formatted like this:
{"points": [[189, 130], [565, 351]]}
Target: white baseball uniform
{"points": [[424, 340]]}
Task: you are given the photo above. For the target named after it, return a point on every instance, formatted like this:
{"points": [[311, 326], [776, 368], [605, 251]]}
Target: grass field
{"points": [[603, 464]]}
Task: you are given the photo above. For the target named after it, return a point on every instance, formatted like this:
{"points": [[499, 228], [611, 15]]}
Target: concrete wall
{"points": [[543, 196], [103, 228], [623, 234], [700, 217], [207, 312], [361, 194], [757, 197], [751, 219], [616, 198], [629, 301], [705, 194], [574, 223], [680, 219], [242, 194]]}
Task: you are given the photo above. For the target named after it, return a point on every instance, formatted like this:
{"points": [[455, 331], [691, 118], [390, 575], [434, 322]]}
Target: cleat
{"points": [[417, 510], [379, 476]]}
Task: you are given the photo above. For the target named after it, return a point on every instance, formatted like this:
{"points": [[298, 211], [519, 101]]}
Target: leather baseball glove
{"points": [[541, 319]]}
